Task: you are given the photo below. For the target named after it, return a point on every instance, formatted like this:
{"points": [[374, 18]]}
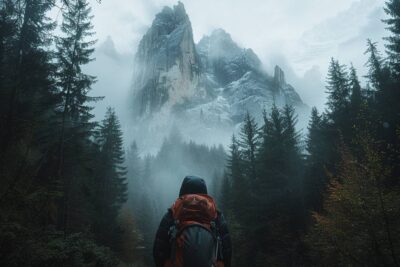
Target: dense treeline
{"points": [[262, 191], [63, 184], [331, 200], [62, 180], [336, 203]]}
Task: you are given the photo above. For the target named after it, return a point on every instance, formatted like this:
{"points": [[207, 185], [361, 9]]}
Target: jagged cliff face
{"points": [[235, 75], [166, 63], [210, 85]]}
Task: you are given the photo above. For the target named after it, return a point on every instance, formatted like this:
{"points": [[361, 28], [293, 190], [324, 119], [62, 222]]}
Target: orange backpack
{"points": [[194, 236]]}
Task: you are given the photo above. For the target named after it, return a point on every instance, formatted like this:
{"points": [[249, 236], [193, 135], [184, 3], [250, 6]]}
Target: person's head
{"points": [[193, 185]]}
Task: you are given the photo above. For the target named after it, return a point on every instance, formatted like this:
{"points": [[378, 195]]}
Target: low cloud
{"points": [[300, 36]]}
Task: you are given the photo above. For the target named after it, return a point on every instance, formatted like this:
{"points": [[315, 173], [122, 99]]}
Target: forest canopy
{"points": [[72, 193]]}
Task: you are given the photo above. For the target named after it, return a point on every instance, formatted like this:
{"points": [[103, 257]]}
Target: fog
{"points": [[300, 36], [154, 180], [107, 105]]}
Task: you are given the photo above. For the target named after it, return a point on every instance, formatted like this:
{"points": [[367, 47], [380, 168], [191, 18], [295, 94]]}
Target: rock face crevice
{"points": [[211, 84], [166, 63]]}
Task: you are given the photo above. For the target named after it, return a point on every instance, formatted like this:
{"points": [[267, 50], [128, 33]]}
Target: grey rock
{"points": [[211, 84]]}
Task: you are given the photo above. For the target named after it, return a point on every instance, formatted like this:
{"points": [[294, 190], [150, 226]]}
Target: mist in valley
{"points": [[164, 146], [288, 111], [115, 64]]}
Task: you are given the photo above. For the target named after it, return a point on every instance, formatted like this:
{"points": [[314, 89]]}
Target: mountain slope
{"points": [[203, 88]]}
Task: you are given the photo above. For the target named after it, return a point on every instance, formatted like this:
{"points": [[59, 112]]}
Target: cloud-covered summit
{"points": [[209, 86]]}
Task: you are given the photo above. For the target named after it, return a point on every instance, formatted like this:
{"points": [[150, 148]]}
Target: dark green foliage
{"points": [[48, 163], [356, 99], [134, 176], [26, 92], [63, 182], [358, 221], [248, 144], [378, 73], [225, 200], [23, 247], [267, 208], [236, 175], [338, 92], [350, 181], [75, 151], [393, 49], [315, 177], [110, 188]]}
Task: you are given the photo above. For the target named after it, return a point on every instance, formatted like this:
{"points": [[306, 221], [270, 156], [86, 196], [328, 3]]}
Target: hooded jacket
{"points": [[162, 246]]}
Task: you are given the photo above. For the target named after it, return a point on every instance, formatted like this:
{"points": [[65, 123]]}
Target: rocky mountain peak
{"points": [[203, 88], [219, 44], [279, 77], [180, 11], [167, 64], [170, 18], [222, 35], [108, 48]]}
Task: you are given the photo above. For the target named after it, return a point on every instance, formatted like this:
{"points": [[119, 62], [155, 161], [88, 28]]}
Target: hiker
{"points": [[193, 233]]}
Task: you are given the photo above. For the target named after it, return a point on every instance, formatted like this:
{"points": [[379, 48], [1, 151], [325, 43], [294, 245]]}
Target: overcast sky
{"points": [[299, 35]]}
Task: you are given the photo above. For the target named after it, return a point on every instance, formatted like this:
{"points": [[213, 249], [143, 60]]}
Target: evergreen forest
{"points": [[74, 193]]}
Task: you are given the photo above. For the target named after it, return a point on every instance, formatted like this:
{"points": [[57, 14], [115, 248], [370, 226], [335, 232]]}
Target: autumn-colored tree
{"points": [[361, 222]]}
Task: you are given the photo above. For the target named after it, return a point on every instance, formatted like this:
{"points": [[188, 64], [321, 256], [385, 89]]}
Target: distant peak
{"points": [[108, 47], [220, 33], [166, 10], [279, 76], [180, 8], [219, 38], [177, 14], [109, 41]]}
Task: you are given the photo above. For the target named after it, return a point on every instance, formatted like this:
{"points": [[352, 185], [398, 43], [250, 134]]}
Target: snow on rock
{"points": [[205, 89]]}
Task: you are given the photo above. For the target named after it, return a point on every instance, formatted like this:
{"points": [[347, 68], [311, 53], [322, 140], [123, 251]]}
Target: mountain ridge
{"points": [[209, 85]]}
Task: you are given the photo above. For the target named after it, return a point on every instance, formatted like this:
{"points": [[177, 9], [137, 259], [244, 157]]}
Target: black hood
{"points": [[193, 185]]}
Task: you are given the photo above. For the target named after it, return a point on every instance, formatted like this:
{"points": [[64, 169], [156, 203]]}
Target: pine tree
{"points": [[30, 107], [290, 133], [226, 194], [73, 51], [277, 210], [110, 191], [27, 92], [315, 178], [8, 32], [391, 98], [393, 48], [291, 146], [271, 152], [239, 193], [385, 103], [378, 73], [75, 157], [338, 93], [27, 105], [355, 89], [27, 86], [248, 143], [239, 182], [135, 173], [314, 133], [338, 126]]}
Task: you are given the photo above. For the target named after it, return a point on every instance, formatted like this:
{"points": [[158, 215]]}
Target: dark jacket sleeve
{"points": [[161, 247], [226, 239]]}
